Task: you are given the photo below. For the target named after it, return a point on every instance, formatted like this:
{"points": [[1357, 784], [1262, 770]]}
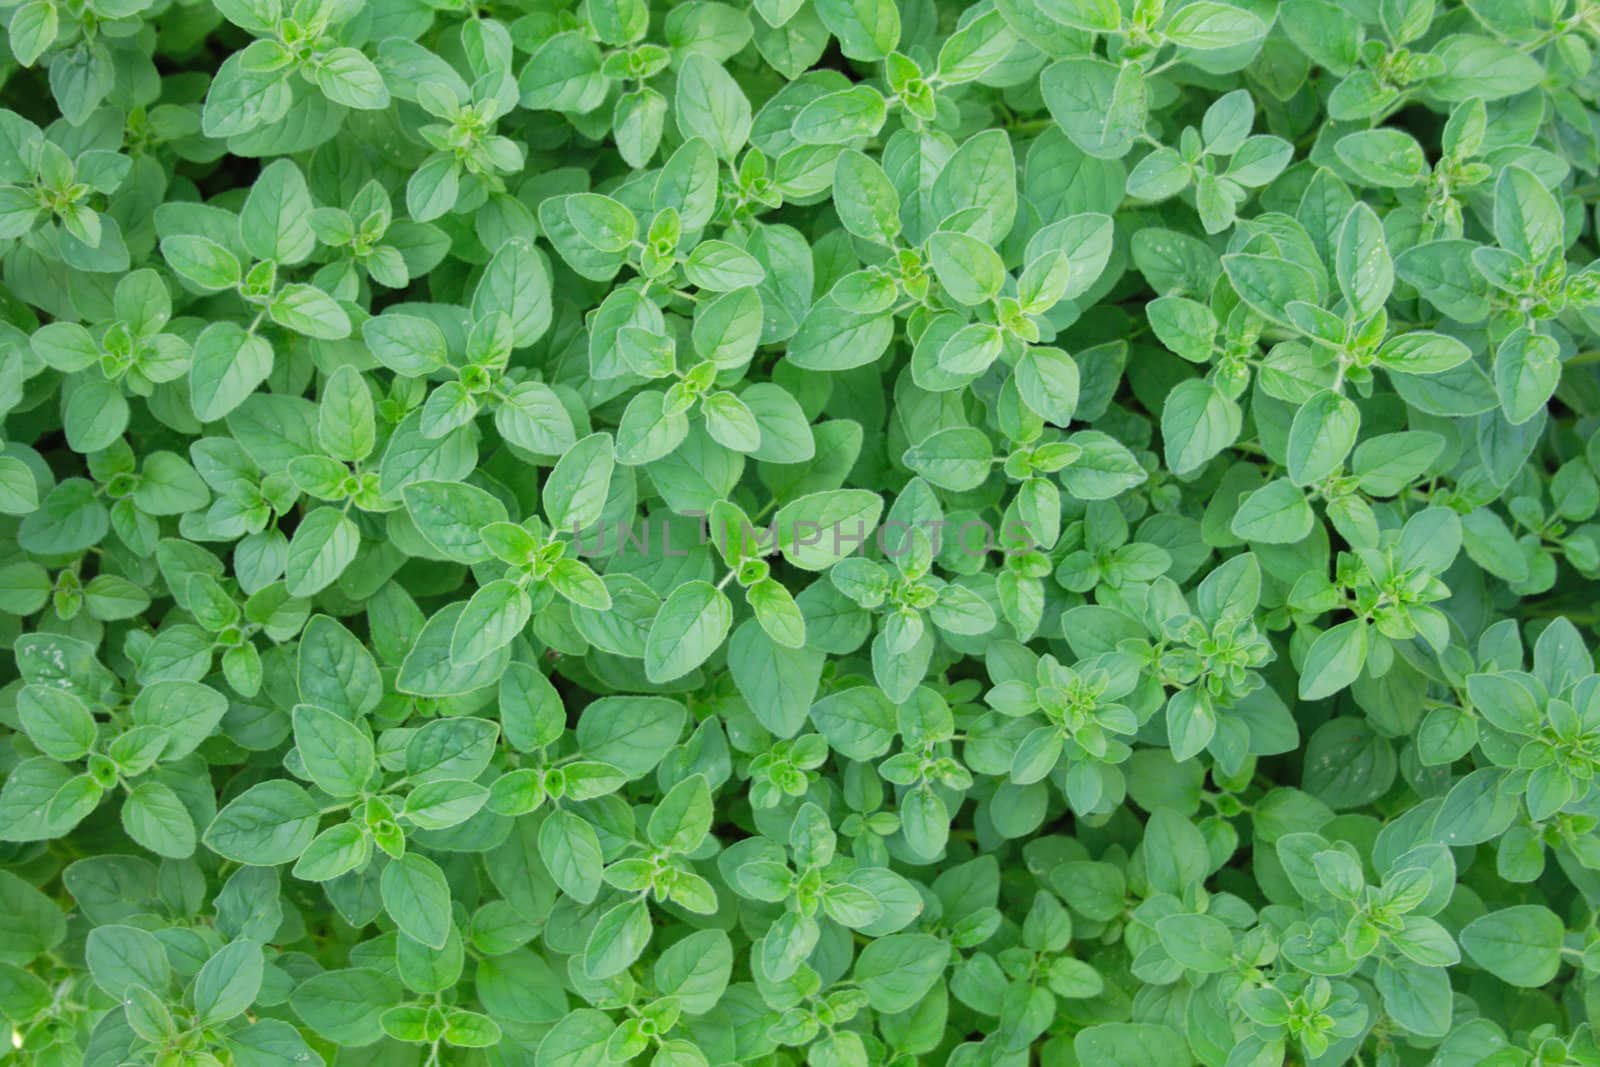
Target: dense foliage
{"points": [[827, 531]]}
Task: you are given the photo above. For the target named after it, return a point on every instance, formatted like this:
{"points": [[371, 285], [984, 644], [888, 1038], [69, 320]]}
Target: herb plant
{"points": [[566, 533]]}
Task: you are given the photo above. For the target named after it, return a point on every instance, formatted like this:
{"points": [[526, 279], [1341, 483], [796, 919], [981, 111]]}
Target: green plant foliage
{"points": [[857, 533]]}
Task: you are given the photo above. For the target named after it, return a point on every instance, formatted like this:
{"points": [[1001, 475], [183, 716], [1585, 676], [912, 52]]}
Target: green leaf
{"points": [[695, 970], [275, 222], [1197, 422], [728, 328], [1527, 369], [819, 529], [865, 199], [1186, 326], [1422, 352], [577, 1040], [691, 625], [268, 824], [631, 733], [1418, 998], [832, 338], [1049, 383], [1269, 284], [346, 426], [1322, 435], [1474, 66], [155, 817], [958, 458], [406, 344], [19, 494], [571, 852], [1334, 659], [683, 818], [33, 29], [1207, 25], [347, 77], [202, 261], [516, 284], [896, 971], [336, 671], [710, 105], [841, 117], [433, 188], [122, 956], [228, 364], [229, 982], [866, 29], [1103, 16], [324, 544], [184, 712], [1100, 106], [618, 939], [337, 755], [1527, 219], [1198, 942], [56, 722], [451, 517], [575, 492], [338, 850], [1362, 263], [344, 1005], [601, 221], [417, 898], [1384, 157], [1275, 514], [1519, 945], [1129, 1044], [492, 619], [970, 271], [1175, 851], [307, 310]]}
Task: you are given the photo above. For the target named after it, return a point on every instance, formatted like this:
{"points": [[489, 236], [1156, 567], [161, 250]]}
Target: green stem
{"points": [[1031, 125]]}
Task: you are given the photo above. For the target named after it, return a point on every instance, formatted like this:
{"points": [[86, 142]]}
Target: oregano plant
{"points": [[856, 533]]}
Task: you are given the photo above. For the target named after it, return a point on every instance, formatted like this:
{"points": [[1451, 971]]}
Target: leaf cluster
{"points": [[572, 533]]}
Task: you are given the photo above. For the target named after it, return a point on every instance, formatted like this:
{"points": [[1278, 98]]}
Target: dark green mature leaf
{"points": [[270, 823]]}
